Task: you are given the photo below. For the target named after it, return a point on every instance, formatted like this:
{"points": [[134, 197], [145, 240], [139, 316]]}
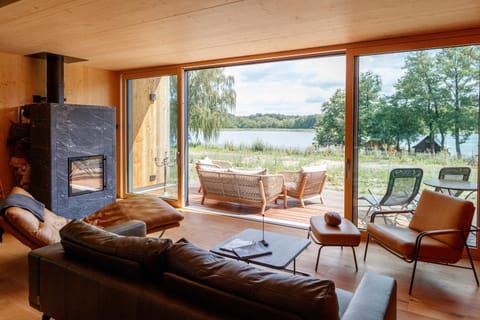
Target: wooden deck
{"points": [[333, 201]]}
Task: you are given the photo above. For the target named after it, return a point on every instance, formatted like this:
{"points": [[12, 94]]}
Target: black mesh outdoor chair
{"points": [[403, 186], [455, 174]]}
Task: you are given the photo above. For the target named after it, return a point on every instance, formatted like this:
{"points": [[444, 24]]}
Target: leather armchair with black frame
{"points": [[437, 232]]}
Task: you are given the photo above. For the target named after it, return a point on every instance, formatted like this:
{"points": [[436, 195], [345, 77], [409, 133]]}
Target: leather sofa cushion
{"points": [[402, 240], [155, 212], [437, 211], [40, 233], [309, 297], [125, 255]]}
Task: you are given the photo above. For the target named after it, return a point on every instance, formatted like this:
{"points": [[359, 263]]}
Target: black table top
{"points": [[452, 184], [284, 248]]}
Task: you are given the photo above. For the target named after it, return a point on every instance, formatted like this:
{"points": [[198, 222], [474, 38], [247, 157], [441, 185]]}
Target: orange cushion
{"points": [[155, 212], [402, 241], [345, 234], [437, 211]]}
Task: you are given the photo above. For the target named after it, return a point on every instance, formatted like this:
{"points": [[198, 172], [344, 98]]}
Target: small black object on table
{"points": [[284, 249]]}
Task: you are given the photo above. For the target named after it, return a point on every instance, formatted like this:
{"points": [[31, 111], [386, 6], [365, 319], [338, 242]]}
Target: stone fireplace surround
{"points": [[60, 132]]}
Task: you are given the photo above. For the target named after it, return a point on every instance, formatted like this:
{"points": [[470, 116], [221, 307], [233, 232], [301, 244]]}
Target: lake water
{"points": [[302, 139], [288, 139]]}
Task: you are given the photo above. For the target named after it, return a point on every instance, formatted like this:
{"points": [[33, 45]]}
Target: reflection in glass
{"points": [[86, 175]]}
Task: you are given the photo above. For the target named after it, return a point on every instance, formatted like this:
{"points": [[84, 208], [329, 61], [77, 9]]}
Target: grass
{"points": [[373, 170]]}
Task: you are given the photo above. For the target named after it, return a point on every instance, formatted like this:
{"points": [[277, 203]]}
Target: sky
{"points": [[299, 87]]}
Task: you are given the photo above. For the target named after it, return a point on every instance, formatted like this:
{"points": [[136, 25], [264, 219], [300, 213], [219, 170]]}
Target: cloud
{"points": [[290, 87], [387, 66], [300, 86], [319, 100]]}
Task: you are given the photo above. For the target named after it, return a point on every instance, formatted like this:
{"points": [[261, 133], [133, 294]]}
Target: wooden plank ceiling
{"points": [[117, 35]]}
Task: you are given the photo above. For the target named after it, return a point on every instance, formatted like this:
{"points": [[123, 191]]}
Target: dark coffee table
{"points": [[284, 249]]}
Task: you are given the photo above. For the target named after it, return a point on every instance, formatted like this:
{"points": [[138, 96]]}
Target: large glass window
{"points": [[416, 109], [280, 116]]}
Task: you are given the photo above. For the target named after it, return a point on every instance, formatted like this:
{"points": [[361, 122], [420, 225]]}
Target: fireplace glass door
{"points": [[152, 136], [86, 174]]}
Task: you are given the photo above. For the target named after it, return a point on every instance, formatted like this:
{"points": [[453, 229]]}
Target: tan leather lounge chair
{"points": [[437, 232], [28, 229]]}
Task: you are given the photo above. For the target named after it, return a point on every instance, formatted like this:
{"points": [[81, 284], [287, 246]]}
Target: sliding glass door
{"points": [[285, 117], [415, 109]]}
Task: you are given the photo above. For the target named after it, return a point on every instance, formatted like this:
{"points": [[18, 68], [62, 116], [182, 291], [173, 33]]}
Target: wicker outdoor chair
{"points": [[305, 183], [211, 164]]}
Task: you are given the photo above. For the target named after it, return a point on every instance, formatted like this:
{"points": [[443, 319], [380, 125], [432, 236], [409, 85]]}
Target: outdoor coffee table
{"points": [[284, 248]]}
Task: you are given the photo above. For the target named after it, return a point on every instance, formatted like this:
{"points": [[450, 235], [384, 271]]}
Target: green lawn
{"points": [[373, 171]]}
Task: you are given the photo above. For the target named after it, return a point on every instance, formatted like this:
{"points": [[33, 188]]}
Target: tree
{"points": [[330, 128], [456, 70], [369, 88], [399, 122], [442, 88], [420, 91], [211, 96]]}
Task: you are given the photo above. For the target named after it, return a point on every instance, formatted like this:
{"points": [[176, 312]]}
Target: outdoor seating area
{"points": [[404, 186], [253, 188], [220, 181]]}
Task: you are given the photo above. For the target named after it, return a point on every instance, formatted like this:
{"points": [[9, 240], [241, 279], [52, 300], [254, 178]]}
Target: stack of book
{"points": [[246, 249]]}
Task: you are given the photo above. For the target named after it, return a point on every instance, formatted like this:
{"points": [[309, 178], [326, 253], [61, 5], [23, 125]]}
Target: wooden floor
{"points": [[439, 292]]}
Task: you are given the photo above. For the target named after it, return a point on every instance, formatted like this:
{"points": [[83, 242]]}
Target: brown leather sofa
{"points": [[94, 274]]}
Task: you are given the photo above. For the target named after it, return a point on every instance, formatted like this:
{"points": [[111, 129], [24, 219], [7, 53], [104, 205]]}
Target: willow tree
{"points": [[211, 96]]}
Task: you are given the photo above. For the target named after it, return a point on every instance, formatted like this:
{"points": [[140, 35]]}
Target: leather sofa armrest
{"points": [[135, 228], [374, 299]]}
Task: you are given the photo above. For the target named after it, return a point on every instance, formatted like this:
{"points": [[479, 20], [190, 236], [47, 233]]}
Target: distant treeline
{"points": [[272, 120]]}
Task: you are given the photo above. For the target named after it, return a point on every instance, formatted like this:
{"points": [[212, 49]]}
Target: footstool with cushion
{"points": [[333, 230], [157, 214]]}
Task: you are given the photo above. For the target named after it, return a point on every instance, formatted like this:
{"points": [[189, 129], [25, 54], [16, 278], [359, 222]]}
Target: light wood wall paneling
{"points": [[22, 77]]}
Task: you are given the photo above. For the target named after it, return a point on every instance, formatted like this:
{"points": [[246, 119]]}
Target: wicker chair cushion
{"points": [[259, 171]]}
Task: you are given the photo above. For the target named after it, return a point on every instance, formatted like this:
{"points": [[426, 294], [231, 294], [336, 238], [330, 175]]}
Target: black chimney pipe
{"points": [[55, 82]]}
